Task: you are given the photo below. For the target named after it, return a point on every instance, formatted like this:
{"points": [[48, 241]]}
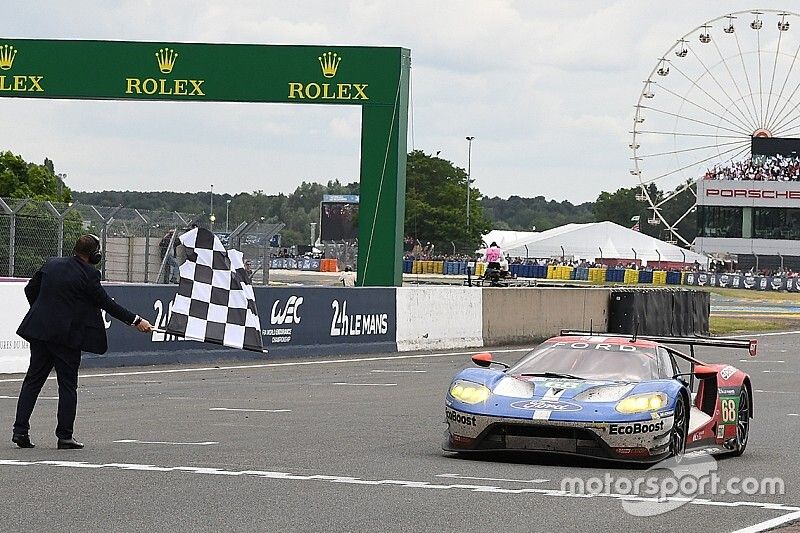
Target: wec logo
{"points": [[289, 314]]}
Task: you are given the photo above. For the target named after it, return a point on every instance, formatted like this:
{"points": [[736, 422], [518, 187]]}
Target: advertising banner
{"points": [[291, 318]]}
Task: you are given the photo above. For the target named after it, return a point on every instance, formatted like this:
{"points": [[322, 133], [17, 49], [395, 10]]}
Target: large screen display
{"points": [[338, 221], [762, 147]]}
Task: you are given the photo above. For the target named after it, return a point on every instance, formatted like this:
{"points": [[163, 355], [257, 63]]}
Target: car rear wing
{"points": [[750, 344]]}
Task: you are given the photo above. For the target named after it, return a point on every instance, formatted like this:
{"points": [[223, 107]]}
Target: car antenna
{"points": [[591, 328], [635, 329]]}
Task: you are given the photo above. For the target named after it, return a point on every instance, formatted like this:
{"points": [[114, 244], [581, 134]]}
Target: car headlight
{"points": [[467, 392], [514, 388], [605, 393], [640, 403]]}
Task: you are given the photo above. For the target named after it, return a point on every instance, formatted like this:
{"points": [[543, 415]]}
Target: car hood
{"points": [[561, 397]]}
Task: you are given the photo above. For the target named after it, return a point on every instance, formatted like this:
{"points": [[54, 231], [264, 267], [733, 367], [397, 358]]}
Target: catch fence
{"points": [[135, 242]]}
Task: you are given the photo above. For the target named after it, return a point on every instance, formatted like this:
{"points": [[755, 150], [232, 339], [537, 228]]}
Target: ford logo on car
{"points": [[546, 405]]}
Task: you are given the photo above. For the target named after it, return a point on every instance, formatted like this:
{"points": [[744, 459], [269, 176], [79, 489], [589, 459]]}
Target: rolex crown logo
{"points": [[7, 55], [329, 62], [166, 59]]}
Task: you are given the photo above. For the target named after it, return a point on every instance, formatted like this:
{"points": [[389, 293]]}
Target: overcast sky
{"points": [[547, 89]]}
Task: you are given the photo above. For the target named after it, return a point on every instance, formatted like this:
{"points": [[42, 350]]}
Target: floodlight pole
{"points": [[469, 176], [211, 217]]}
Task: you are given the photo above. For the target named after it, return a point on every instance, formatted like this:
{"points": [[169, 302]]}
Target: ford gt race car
{"points": [[603, 395]]}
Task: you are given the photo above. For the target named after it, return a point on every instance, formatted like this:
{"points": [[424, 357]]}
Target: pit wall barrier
{"points": [[669, 312], [527, 313], [14, 351], [435, 318], [335, 321]]}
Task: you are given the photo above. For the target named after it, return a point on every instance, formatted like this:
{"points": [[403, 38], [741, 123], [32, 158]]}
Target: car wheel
{"points": [[743, 423], [680, 429]]}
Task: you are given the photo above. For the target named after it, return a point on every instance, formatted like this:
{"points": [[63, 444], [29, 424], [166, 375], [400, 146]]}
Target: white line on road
{"points": [[793, 414], [777, 391], [779, 372], [17, 397], [367, 384], [134, 441], [276, 365], [769, 524], [758, 361], [459, 476], [266, 474], [760, 335], [398, 371], [251, 410]]}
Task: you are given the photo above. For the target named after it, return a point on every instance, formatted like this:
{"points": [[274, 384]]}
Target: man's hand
{"points": [[144, 326]]}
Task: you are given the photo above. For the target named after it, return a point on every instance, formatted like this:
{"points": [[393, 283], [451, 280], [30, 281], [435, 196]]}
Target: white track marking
{"points": [[769, 524], [459, 476], [135, 441], [398, 371], [758, 361], [760, 335], [777, 391], [366, 384], [793, 414], [348, 480], [17, 397], [276, 365], [251, 410]]}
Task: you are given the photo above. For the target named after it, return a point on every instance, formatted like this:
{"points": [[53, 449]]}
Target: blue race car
{"points": [[602, 395]]}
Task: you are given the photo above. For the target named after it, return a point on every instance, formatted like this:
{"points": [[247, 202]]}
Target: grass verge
{"points": [[747, 294], [723, 325]]}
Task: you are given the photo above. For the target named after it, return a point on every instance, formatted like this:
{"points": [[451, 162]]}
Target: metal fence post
{"points": [[146, 244], [10, 212], [147, 255], [60, 217], [12, 230], [104, 234]]}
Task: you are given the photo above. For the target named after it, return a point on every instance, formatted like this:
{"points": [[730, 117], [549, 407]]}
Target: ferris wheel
{"points": [[728, 80]]}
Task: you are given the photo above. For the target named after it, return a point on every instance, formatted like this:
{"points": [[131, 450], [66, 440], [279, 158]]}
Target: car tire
{"points": [[743, 423], [680, 430]]}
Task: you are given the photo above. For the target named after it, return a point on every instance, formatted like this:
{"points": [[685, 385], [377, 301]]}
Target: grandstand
{"points": [[751, 209]]}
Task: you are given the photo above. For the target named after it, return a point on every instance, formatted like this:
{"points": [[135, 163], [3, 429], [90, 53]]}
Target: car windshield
{"points": [[590, 360]]}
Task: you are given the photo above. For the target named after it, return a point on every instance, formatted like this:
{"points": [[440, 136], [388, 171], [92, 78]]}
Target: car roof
{"points": [[600, 339]]}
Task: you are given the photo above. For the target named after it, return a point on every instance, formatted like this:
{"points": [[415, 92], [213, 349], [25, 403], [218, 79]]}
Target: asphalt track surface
{"points": [[343, 446]]}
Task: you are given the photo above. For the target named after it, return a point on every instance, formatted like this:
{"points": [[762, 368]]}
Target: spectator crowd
{"points": [[761, 168]]}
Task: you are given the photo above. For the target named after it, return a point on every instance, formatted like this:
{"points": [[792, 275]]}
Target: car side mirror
{"points": [[704, 372], [483, 359]]}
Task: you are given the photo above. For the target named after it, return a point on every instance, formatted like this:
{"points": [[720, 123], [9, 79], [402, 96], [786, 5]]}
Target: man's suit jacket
{"points": [[66, 298]]}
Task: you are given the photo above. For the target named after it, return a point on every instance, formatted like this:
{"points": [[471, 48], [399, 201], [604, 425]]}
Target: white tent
{"points": [[598, 239], [506, 238]]}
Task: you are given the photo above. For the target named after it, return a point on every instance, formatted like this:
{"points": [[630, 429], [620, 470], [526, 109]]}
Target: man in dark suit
{"points": [[64, 319]]}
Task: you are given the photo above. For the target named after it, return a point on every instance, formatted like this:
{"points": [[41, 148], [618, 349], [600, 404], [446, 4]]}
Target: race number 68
{"points": [[728, 410]]}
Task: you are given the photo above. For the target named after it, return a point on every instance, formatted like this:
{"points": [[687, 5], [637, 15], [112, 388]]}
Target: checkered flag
{"points": [[215, 301]]}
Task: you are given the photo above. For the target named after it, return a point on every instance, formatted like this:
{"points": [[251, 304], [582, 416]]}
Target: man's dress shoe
{"points": [[23, 441], [69, 444]]}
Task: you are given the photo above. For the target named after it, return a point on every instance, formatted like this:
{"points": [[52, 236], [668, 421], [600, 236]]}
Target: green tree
{"points": [[525, 214], [436, 201], [20, 179], [36, 231], [619, 207]]}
